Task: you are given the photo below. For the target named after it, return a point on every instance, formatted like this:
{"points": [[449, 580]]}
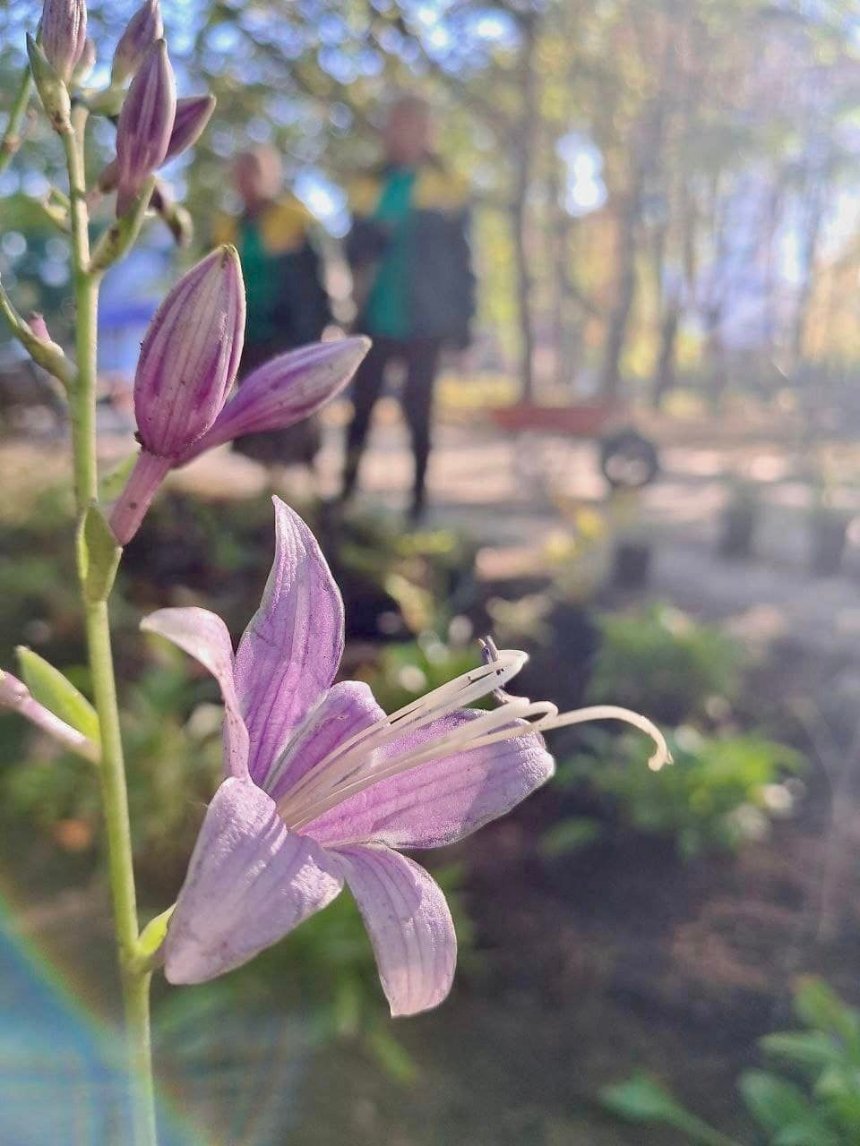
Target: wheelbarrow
{"points": [[627, 459]]}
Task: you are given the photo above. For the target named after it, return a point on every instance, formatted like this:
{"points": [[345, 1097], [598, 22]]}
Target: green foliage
{"points": [[810, 1098], [569, 835], [663, 663], [57, 693], [719, 793], [641, 1099]]}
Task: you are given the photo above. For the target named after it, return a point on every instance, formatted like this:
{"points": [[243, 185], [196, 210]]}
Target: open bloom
{"points": [[322, 788], [188, 363]]}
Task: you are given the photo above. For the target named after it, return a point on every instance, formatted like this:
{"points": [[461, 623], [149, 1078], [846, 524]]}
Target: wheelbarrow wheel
{"points": [[627, 460]]}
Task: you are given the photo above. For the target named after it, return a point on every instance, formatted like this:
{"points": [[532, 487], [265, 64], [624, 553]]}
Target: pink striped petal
{"points": [[204, 636], [347, 708], [291, 650], [283, 391], [409, 924], [441, 801], [249, 883]]}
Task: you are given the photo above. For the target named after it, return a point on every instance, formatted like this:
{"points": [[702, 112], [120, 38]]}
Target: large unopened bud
{"points": [[187, 364], [190, 355], [145, 125], [143, 30], [64, 34]]}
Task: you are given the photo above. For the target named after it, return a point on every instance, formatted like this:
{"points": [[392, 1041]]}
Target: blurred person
{"points": [[287, 302], [414, 287]]}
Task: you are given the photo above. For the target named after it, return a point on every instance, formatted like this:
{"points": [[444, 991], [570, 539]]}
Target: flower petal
{"points": [[249, 882], [409, 924], [440, 801], [283, 391], [292, 647], [204, 636], [346, 709]]}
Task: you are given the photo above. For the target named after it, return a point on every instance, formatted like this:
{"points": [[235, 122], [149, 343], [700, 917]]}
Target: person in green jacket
{"points": [[414, 288]]}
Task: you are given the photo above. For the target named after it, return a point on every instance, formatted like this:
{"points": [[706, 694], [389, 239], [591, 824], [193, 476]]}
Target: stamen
{"points": [[488, 728], [358, 753], [661, 755]]}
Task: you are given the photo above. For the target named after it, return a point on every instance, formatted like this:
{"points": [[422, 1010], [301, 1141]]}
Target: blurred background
{"points": [[646, 472]]}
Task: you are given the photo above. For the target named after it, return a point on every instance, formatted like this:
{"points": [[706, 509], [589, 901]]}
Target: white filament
{"points": [[358, 763], [488, 728], [659, 757], [357, 755]]}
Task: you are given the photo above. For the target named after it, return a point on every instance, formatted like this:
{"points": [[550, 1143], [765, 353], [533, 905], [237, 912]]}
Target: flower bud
{"points": [[143, 30], [64, 34], [145, 125], [284, 391], [192, 115], [190, 355], [86, 63], [52, 91]]}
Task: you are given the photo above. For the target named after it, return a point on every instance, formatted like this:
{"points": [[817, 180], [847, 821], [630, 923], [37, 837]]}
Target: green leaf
{"points": [[775, 1103], [818, 1006], [153, 935], [569, 835], [813, 1130], [391, 1055], [641, 1099], [58, 694], [813, 1048], [98, 554]]}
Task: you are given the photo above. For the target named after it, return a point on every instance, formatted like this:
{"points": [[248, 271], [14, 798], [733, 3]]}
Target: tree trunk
{"points": [[664, 375], [523, 151], [619, 318]]}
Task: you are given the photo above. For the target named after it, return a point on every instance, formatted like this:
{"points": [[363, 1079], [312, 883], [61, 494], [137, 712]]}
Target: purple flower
{"points": [[145, 125], [322, 788], [276, 395], [142, 31], [190, 354], [192, 115], [64, 34]]}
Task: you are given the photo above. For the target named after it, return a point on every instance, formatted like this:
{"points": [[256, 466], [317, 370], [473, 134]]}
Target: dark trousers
{"points": [[420, 356]]}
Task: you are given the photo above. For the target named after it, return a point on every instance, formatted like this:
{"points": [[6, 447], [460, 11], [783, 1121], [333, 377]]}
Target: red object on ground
{"points": [[585, 420]]}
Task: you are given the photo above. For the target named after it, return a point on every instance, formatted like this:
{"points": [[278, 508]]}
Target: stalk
{"points": [[82, 397], [11, 140]]}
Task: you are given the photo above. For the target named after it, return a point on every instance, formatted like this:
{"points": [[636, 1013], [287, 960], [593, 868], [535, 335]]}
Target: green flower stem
{"points": [[11, 136], [135, 983]]}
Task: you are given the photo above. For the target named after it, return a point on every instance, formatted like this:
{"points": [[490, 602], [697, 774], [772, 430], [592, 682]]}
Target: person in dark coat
{"points": [[414, 289], [287, 303]]}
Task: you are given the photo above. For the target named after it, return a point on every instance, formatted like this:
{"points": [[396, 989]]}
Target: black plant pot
{"points": [[827, 537], [738, 530]]}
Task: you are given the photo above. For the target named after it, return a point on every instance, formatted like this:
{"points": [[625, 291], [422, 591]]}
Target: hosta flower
{"points": [[64, 35], [188, 362], [145, 125], [192, 115], [143, 29], [323, 789]]}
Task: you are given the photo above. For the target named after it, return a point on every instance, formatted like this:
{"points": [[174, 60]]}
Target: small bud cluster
{"points": [[190, 356]]}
